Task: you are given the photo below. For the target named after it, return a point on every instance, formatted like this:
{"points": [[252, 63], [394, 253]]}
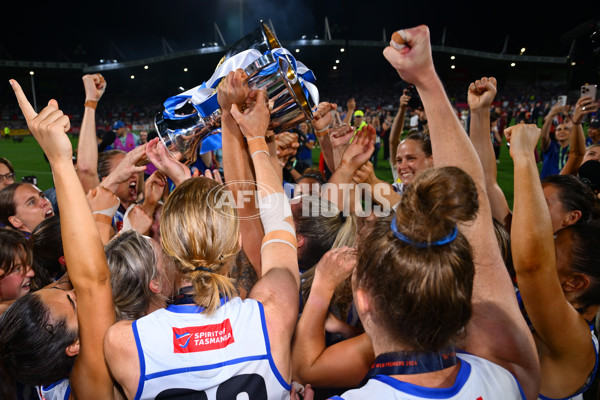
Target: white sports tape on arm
{"points": [[274, 209]]}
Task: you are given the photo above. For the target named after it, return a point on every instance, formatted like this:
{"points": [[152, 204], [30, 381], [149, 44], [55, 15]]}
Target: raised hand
{"points": [[254, 120], [103, 200], [165, 163], [351, 104], [364, 174], [287, 146], [584, 105], [49, 127], [94, 85], [138, 219], [322, 117], [127, 167], [523, 139], [557, 109], [360, 150], [405, 98], [481, 93], [336, 266], [215, 175], [341, 136], [233, 89], [414, 62], [153, 191]]}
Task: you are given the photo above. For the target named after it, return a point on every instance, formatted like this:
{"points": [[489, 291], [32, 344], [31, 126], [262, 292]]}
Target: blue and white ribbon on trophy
{"points": [[204, 97]]}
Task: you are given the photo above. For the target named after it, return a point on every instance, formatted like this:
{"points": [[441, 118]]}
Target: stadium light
{"points": [[335, 67], [337, 61], [522, 50], [512, 64], [185, 70], [297, 50], [342, 50], [31, 73], [145, 67], [452, 66], [573, 63], [452, 57], [132, 76]]}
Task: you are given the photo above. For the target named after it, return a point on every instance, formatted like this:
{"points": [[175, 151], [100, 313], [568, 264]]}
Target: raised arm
{"points": [[397, 126], [340, 185], [127, 167], [565, 347], [497, 330], [480, 95], [237, 166], [545, 134], [278, 287], [584, 106], [312, 361], [88, 270], [87, 147], [350, 107]]}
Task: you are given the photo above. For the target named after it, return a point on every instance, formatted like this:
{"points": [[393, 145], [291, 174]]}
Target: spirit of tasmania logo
{"points": [[202, 338]]}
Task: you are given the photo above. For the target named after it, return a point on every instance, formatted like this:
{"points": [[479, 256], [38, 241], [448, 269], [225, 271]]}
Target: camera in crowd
{"points": [[302, 138], [30, 179], [415, 100]]}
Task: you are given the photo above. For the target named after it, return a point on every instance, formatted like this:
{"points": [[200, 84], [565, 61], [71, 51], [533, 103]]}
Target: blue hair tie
{"points": [[202, 268], [421, 245]]}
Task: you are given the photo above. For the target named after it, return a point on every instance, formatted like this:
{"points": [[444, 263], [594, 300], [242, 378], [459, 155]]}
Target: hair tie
{"points": [[421, 245], [202, 268], [342, 217]]}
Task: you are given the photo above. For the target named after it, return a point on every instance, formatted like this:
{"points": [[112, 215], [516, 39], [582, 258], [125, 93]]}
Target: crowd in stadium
{"points": [[252, 270]]}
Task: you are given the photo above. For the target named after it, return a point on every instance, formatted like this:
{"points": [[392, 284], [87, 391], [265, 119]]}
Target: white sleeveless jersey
{"points": [[183, 352], [60, 390], [477, 379]]}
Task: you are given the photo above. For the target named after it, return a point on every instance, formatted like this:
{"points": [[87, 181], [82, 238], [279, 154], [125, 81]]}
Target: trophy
{"points": [[193, 116]]}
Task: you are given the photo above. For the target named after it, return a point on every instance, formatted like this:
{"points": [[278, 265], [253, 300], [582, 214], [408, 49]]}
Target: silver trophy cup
{"points": [[289, 105]]}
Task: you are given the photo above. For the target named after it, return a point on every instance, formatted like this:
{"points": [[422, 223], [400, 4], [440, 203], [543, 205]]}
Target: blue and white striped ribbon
{"points": [[204, 99]]}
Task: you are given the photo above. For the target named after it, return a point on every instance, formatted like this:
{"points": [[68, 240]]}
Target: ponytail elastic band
{"points": [[201, 268], [421, 245]]}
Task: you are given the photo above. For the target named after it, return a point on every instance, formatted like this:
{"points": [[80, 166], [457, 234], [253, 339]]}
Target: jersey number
{"points": [[251, 384]]}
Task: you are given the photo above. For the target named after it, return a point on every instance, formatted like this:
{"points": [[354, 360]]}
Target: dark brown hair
{"points": [[12, 244], [8, 208]]}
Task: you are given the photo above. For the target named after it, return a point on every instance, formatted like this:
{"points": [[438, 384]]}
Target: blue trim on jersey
{"points": [[336, 398], [50, 386], [204, 367], [431, 393], [190, 308], [140, 351], [54, 384], [276, 372], [514, 377], [589, 381], [185, 308]]}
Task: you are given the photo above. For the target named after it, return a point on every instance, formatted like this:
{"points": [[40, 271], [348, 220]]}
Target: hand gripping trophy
{"points": [[194, 116]]}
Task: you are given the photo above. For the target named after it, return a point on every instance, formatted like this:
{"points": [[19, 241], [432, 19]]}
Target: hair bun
{"points": [[435, 202]]}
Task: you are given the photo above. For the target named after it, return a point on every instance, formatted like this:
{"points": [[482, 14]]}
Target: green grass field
{"points": [[28, 159]]}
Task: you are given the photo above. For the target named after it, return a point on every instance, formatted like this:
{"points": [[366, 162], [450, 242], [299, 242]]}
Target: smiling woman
{"points": [[15, 265]]}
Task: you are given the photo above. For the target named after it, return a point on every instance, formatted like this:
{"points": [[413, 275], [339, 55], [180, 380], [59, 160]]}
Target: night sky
{"points": [[129, 30]]}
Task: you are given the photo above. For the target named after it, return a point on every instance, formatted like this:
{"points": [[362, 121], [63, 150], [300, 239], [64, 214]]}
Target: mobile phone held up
{"points": [[590, 90], [561, 101]]}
